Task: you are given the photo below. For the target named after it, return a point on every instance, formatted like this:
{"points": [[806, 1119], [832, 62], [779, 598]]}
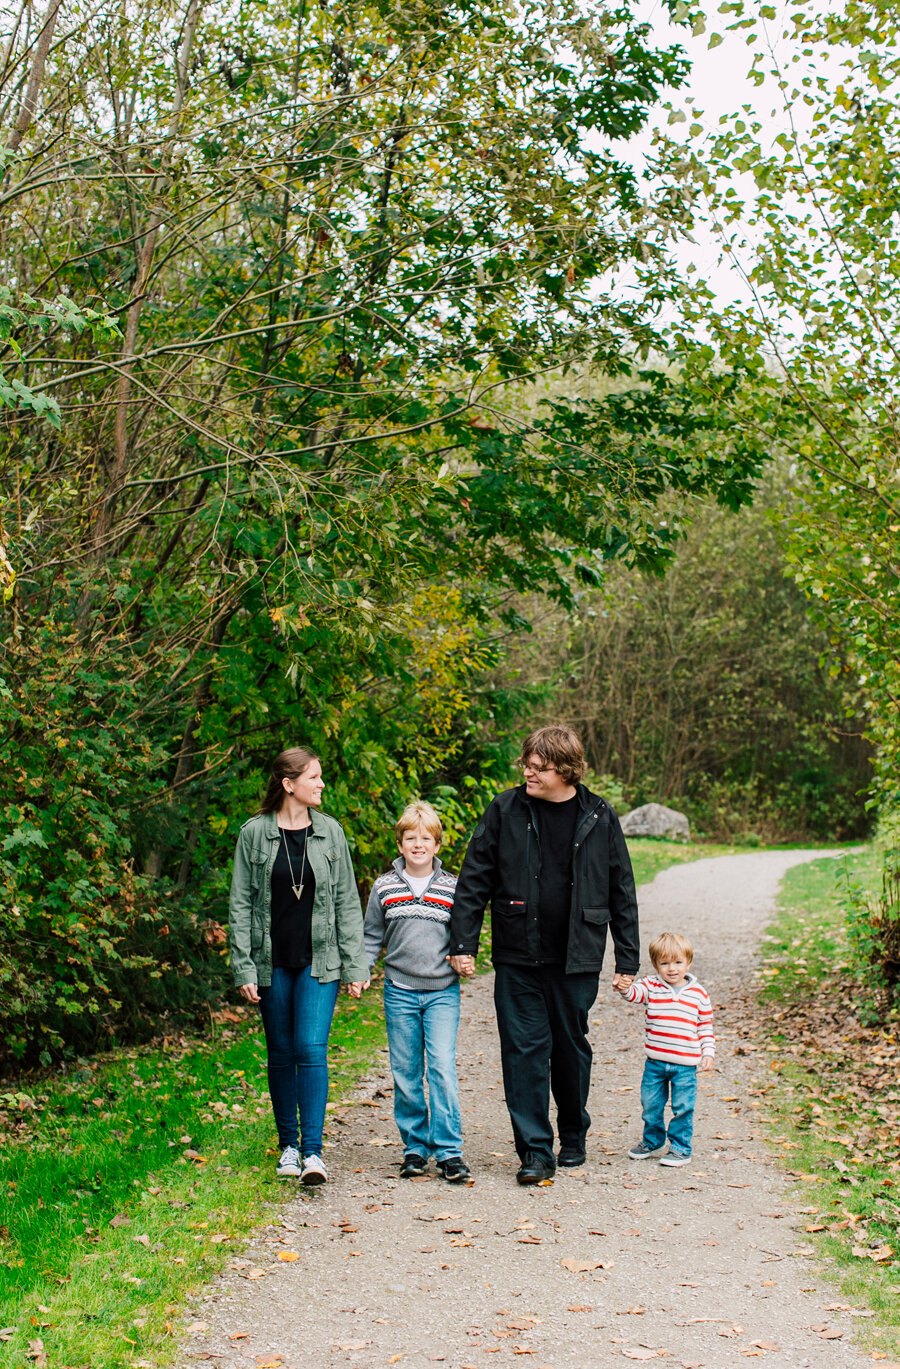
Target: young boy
{"points": [[409, 914], [678, 1038]]}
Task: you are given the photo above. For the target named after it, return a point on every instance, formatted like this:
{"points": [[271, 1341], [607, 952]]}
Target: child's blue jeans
{"points": [[659, 1078], [421, 1030]]}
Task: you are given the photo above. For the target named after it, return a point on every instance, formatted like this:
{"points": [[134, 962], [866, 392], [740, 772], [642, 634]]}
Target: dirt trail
{"points": [[707, 1265]]}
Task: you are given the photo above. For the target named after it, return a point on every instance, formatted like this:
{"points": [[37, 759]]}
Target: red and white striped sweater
{"points": [[678, 1025]]}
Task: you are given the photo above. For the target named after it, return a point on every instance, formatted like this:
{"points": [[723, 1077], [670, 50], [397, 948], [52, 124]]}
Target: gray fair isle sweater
{"points": [[415, 931]]}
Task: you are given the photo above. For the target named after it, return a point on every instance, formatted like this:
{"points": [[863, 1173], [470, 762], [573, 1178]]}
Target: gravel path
{"points": [[700, 1266]]}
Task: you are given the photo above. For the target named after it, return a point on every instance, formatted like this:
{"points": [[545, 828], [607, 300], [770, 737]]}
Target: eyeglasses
{"points": [[528, 768]]}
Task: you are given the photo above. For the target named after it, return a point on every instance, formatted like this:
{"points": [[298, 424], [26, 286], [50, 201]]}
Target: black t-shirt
{"points": [[292, 917], [556, 825]]}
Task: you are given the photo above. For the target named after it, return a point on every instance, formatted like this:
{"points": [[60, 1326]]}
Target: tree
{"points": [[705, 689], [335, 243], [809, 219]]}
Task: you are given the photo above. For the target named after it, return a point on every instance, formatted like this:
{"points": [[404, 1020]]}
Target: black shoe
{"points": [[570, 1157], [455, 1170], [413, 1165], [534, 1170]]}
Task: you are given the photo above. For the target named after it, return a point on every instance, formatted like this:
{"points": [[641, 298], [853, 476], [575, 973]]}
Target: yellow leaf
{"points": [[288, 1256]]}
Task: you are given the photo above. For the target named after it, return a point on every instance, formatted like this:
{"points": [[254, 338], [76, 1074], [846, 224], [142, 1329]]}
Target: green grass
{"points": [[109, 1142], [831, 1109]]}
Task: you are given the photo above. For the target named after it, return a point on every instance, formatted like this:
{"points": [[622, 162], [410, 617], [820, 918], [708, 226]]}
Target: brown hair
{"points": [[559, 747], [669, 944], [420, 814], [287, 766]]}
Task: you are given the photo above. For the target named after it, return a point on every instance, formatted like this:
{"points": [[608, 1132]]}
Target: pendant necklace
{"points": [[297, 888]]}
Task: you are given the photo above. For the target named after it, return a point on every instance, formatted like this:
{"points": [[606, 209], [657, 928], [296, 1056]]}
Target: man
{"points": [[551, 858]]}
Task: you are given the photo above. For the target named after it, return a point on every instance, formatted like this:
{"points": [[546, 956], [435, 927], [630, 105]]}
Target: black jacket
{"points": [[502, 865]]}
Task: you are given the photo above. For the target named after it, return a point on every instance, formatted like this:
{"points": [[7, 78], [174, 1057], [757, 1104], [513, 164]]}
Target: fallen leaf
{"points": [[640, 1352], [120, 1220], [218, 1238], [354, 1345], [766, 1345], [752, 1353], [7, 1332], [632, 1312], [581, 1266], [580, 1307], [274, 1363], [528, 1240], [394, 1358], [198, 1326], [238, 1335], [35, 1352], [255, 1273], [289, 1256], [142, 1240], [731, 1331], [832, 1333]]}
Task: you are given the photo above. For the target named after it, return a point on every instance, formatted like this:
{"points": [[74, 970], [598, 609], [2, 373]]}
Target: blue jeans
{"points": [[296, 1012], [422, 1028], [659, 1076]]}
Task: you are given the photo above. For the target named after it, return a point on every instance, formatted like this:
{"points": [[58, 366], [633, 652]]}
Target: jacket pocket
{"points": [[508, 907], [596, 916], [257, 872]]}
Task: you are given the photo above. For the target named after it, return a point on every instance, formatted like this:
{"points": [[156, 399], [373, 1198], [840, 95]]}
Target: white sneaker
{"points": [[674, 1160], [288, 1166], [314, 1171]]}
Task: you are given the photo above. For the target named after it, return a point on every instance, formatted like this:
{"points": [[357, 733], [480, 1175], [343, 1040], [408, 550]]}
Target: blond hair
{"points": [[420, 814], [668, 945]]}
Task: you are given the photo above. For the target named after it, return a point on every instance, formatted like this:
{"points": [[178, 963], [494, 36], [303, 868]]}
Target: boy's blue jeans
{"points": [[421, 1030], [659, 1078], [296, 1013]]}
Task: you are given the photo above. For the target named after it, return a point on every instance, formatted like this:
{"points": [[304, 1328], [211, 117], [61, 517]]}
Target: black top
{"points": [[556, 826], [292, 917]]}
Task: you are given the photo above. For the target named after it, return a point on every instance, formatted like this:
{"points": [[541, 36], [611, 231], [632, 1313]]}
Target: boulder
{"points": [[655, 820]]}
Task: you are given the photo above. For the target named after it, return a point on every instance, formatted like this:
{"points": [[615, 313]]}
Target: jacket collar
{"points": [[272, 830], [399, 863]]}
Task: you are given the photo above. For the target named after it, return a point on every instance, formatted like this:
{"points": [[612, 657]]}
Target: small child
{"points": [[678, 1037], [409, 914]]}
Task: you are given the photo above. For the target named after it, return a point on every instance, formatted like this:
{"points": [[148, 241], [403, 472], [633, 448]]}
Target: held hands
{"points": [[622, 982], [464, 965], [357, 989]]}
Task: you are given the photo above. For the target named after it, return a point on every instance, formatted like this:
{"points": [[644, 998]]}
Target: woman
{"points": [[296, 930]]}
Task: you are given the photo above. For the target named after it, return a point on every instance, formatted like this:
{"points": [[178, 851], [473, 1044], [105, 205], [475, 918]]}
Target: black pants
{"points": [[542, 1017]]}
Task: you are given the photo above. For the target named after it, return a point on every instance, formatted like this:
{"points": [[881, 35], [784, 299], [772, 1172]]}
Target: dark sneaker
{"points": [[455, 1170], [288, 1166], [534, 1170], [675, 1159], [644, 1152], [413, 1165], [571, 1157]]}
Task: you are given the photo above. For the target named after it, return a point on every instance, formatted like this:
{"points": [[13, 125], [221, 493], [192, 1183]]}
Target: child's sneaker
{"points": [[455, 1170], [674, 1159], [314, 1171], [644, 1152], [413, 1165], [288, 1166]]}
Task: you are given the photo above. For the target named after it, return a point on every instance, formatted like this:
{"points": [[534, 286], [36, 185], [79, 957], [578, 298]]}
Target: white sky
{"points": [[719, 85]]}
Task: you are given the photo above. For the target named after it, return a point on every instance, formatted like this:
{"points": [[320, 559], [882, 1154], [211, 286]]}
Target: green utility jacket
{"points": [[337, 921]]}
